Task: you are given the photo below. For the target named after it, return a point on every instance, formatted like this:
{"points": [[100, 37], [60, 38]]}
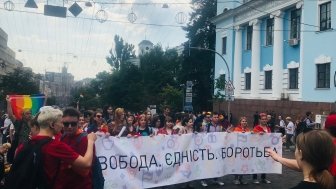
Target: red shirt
{"points": [[165, 132], [54, 152], [259, 129], [76, 178], [333, 165]]}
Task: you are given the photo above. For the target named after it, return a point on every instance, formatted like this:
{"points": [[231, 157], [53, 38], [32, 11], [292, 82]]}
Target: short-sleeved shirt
{"points": [[71, 178], [290, 128], [54, 154]]}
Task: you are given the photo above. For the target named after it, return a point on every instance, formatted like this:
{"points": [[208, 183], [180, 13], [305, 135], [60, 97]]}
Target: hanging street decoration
{"points": [[101, 16], [9, 5], [132, 17], [75, 9], [180, 18], [31, 4]]}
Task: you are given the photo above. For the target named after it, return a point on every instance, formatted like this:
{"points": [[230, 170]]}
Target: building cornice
{"points": [[253, 9]]}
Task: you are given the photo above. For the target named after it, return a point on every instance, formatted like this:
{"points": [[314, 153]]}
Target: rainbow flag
{"points": [[21, 102]]}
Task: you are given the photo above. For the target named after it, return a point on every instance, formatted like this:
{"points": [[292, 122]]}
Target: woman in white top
{"points": [[289, 132]]}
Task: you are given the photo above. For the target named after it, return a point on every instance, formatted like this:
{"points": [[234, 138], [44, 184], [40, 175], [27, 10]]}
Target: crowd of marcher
{"points": [[69, 156]]}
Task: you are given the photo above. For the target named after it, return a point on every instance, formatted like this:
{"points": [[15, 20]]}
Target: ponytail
{"points": [[324, 179]]}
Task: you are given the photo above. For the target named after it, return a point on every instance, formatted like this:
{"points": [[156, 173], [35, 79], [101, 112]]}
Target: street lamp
{"points": [[229, 88]]}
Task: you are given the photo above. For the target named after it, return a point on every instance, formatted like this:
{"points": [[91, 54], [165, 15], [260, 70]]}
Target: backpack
{"points": [[303, 127], [27, 170], [97, 173]]}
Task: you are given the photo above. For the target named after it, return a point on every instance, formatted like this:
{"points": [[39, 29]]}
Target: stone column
{"points": [[278, 42], [237, 61], [255, 58]]}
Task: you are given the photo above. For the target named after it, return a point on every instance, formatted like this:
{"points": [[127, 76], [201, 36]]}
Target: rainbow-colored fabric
{"points": [[21, 102]]}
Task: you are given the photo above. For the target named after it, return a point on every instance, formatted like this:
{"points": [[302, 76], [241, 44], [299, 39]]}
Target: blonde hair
{"points": [[48, 115]]}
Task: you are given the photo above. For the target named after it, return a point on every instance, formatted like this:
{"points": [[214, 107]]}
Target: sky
{"points": [[82, 43]]}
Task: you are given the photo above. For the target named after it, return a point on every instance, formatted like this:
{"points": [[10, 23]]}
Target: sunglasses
{"points": [[71, 124], [98, 116]]}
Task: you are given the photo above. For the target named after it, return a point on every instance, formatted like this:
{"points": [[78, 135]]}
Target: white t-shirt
{"points": [[290, 128], [7, 123]]}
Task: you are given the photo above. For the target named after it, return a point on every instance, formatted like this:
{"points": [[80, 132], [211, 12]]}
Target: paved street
{"points": [[286, 180]]}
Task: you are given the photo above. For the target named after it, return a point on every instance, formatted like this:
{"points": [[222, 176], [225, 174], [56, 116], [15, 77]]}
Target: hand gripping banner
{"points": [[144, 162]]}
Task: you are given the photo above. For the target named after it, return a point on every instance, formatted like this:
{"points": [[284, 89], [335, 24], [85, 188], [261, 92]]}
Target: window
{"points": [[293, 78], [323, 75], [325, 16], [247, 81], [269, 31], [249, 31], [295, 24], [224, 45], [268, 79]]}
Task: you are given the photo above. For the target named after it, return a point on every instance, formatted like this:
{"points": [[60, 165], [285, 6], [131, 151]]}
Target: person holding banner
{"points": [[54, 151], [261, 129], [188, 124], [330, 127], [314, 154], [73, 136], [142, 129], [213, 126], [241, 128], [168, 128]]}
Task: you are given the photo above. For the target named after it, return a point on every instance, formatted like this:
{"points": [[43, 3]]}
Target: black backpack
{"points": [[97, 173], [303, 127], [27, 170]]}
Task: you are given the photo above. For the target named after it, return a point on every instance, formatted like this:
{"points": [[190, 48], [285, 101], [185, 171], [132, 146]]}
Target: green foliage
{"points": [[120, 54], [20, 81], [198, 66], [171, 97], [155, 82], [220, 87]]}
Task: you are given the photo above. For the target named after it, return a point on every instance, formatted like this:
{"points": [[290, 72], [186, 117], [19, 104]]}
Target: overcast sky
{"points": [[47, 43]]}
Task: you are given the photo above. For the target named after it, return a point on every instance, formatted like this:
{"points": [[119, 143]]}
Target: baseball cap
{"points": [[330, 121]]}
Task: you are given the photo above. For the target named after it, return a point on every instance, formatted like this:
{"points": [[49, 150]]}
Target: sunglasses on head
{"points": [[71, 124], [98, 116]]}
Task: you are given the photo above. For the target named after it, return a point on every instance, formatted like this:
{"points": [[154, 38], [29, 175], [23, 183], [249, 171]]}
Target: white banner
{"points": [[144, 162]]}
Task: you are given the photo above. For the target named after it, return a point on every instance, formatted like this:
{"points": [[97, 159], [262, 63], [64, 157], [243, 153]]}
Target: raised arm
{"points": [[9, 110]]}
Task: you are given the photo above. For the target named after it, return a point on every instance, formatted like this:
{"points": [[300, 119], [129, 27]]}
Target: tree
{"points": [[20, 81], [198, 66], [121, 53], [160, 69]]}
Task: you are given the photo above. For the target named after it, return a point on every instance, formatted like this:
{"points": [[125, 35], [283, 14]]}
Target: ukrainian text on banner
{"points": [[146, 162]]}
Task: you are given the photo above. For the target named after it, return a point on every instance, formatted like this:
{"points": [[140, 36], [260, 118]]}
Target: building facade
{"points": [[58, 85], [280, 49], [7, 56]]}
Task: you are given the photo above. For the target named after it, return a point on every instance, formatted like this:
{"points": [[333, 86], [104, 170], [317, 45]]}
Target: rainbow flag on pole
{"points": [[21, 102]]}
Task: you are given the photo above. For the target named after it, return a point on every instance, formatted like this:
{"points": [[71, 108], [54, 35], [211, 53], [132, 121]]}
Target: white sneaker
{"points": [[256, 181], [220, 183], [203, 183]]}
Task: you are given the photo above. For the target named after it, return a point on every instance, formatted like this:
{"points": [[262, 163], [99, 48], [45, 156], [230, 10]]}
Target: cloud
{"points": [[47, 42]]}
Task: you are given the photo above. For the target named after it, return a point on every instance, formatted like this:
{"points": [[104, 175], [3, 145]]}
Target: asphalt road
{"points": [[287, 179]]}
